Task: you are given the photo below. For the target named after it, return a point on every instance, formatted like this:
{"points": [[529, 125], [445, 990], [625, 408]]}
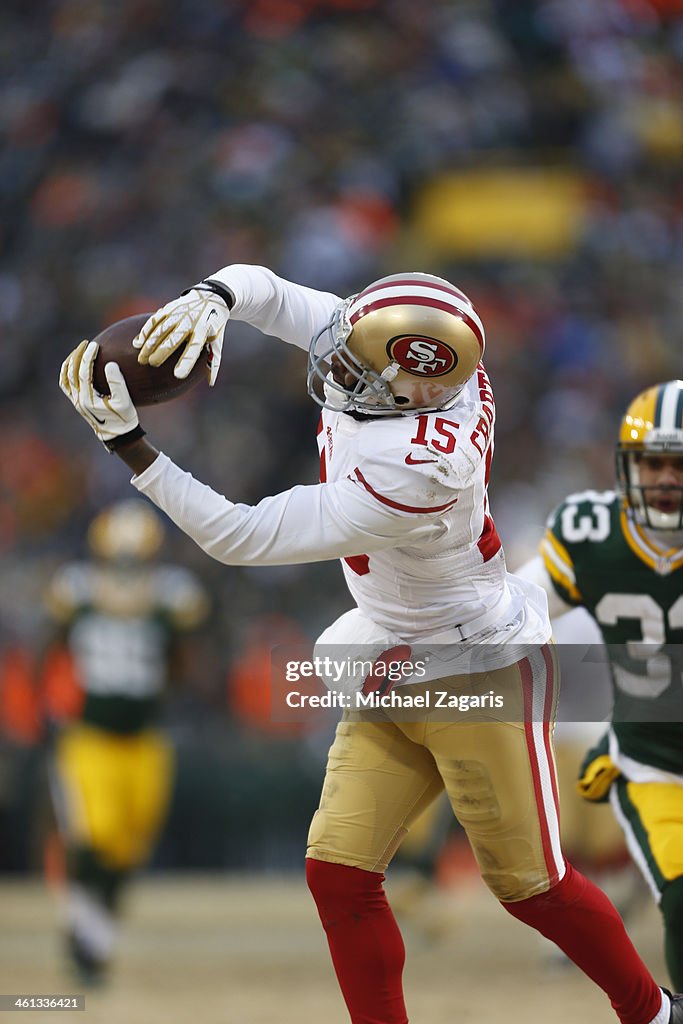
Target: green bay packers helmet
{"points": [[129, 531], [409, 341], [653, 425]]}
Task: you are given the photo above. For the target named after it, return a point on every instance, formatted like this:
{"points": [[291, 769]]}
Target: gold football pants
{"points": [[499, 775], [651, 815], [113, 792]]}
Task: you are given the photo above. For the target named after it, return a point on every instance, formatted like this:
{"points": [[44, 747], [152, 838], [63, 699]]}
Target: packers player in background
{"points": [[620, 556], [405, 442], [121, 615]]}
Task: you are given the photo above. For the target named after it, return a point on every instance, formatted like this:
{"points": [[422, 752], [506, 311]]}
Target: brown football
{"points": [[147, 385]]}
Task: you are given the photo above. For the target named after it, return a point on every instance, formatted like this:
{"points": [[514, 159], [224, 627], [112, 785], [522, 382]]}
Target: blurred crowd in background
{"points": [[528, 150]]}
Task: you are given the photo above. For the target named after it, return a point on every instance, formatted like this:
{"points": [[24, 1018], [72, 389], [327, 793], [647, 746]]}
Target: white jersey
{"points": [[402, 500], [430, 472]]}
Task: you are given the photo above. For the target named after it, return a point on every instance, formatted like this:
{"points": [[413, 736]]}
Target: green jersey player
{"points": [[619, 555], [121, 615]]}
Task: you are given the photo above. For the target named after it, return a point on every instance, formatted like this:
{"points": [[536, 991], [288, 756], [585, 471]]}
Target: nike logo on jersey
{"points": [[411, 461]]}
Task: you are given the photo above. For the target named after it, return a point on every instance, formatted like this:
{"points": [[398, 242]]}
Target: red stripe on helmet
{"points": [[419, 300], [410, 282]]}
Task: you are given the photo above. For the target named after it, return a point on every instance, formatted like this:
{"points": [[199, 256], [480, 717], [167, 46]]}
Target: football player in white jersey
{"points": [[406, 441]]}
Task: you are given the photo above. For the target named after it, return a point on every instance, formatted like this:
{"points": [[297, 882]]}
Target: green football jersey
{"points": [[119, 627], [598, 557]]}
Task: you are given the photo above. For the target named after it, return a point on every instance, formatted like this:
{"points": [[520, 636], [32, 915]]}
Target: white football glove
{"points": [[196, 319], [111, 417]]}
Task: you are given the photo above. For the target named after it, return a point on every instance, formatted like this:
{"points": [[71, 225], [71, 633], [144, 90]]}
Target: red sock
{"points": [[579, 918], [365, 943]]}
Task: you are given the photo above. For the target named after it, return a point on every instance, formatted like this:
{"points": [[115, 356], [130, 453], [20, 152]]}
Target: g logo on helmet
{"points": [[422, 356]]}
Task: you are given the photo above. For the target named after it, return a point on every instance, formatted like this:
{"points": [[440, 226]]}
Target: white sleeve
{"points": [[572, 626], [536, 571], [303, 524], [577, 627], [288, 311]]}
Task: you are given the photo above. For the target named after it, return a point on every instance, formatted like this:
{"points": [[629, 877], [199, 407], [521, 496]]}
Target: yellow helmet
{"points": [[410, 341], [129, 531], [653, 425]]}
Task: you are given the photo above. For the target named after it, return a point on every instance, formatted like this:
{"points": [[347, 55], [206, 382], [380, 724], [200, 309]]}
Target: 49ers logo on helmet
{"points": [[425, 357]]}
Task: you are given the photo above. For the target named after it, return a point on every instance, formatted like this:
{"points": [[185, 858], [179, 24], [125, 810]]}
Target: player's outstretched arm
{"points": [[340, 519], [252, 294]]}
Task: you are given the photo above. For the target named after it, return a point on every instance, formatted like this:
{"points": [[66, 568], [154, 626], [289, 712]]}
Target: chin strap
{"points": [[390, 372]]}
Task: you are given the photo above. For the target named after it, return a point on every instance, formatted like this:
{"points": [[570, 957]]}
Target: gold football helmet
{"points": [[652, 426], [406, 342], [130, 531]]}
